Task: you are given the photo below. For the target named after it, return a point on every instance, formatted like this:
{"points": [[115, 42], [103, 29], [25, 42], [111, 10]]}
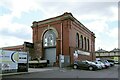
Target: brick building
{"points": [[63, 35], [112, 55], [14, 48]]}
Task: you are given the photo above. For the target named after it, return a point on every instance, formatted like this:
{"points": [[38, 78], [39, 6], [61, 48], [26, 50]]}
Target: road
{"points": [[111, 72]]}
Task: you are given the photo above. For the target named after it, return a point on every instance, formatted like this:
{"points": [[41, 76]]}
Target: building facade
{"points": [[113, 54], [63, 35]]}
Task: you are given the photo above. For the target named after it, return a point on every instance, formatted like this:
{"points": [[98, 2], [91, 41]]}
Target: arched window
{"points": [[88, 44], [81, 41], [85, 43], [77, 40], [49, 38]]}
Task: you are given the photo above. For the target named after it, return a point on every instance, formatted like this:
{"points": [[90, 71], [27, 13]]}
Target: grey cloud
{"points": [[81, 8], [21, 34], [101, 8]]}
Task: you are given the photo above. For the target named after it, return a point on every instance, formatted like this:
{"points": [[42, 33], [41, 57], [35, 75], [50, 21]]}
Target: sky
{"points": [[16, 17]]}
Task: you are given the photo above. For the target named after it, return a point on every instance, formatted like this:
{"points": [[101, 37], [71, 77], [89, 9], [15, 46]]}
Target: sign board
{"points": [[75, 55], [83, 52], [10, 59], [62, 58], [116, 58], [22, 57]]}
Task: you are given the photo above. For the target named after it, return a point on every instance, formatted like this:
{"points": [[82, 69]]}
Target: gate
{"points": [[50, 54]]}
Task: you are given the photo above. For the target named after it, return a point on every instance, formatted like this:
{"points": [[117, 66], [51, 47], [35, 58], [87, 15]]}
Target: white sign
{"points": [[8, 66], [8, 59], [83, 52], [22, 57], [75, 55], [62, 58]]}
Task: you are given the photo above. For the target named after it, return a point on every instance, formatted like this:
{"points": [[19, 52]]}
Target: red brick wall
{"points": [[69, 29], [76, 28], [65, 37], [40, 30]]}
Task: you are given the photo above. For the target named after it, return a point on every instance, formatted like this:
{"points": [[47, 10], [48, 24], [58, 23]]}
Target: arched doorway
{"points": [[49, 44]]}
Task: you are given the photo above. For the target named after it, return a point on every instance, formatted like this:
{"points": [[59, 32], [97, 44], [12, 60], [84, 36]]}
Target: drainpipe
{"points": [[60, 63], [61, 36]]}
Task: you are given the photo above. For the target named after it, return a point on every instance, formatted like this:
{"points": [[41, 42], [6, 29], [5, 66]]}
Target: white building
{"points": [[113, 54]]}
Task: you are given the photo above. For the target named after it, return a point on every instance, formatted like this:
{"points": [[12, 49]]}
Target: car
{"points": [[106, 63], [100, 63], [116, 62], [84, 65], [112, 62]]}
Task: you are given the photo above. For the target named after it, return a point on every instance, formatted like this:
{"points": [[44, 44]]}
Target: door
{"points": [[50, 54]]}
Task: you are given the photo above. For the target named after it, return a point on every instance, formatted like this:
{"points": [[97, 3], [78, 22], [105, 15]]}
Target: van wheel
{"points": [[75, 66], [90, 68]]}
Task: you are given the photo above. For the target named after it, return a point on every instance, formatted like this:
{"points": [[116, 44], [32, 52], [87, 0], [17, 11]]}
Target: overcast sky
{"points": [[16, 17]]}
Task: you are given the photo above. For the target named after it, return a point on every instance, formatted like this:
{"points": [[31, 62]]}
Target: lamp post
{"points": [[27, 58]]}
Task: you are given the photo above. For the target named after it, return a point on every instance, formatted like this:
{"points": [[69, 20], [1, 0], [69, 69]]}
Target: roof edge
{"points": [[64, 16]]}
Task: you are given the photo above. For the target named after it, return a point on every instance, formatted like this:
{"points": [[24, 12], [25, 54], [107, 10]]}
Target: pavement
{"points": [[31, 70]]}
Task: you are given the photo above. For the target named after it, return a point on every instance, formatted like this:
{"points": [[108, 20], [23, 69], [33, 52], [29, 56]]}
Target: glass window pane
{"points": [[49, 38]]}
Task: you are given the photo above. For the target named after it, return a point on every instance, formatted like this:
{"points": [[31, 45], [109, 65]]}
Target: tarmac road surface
{"points": [[111, 72]]}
